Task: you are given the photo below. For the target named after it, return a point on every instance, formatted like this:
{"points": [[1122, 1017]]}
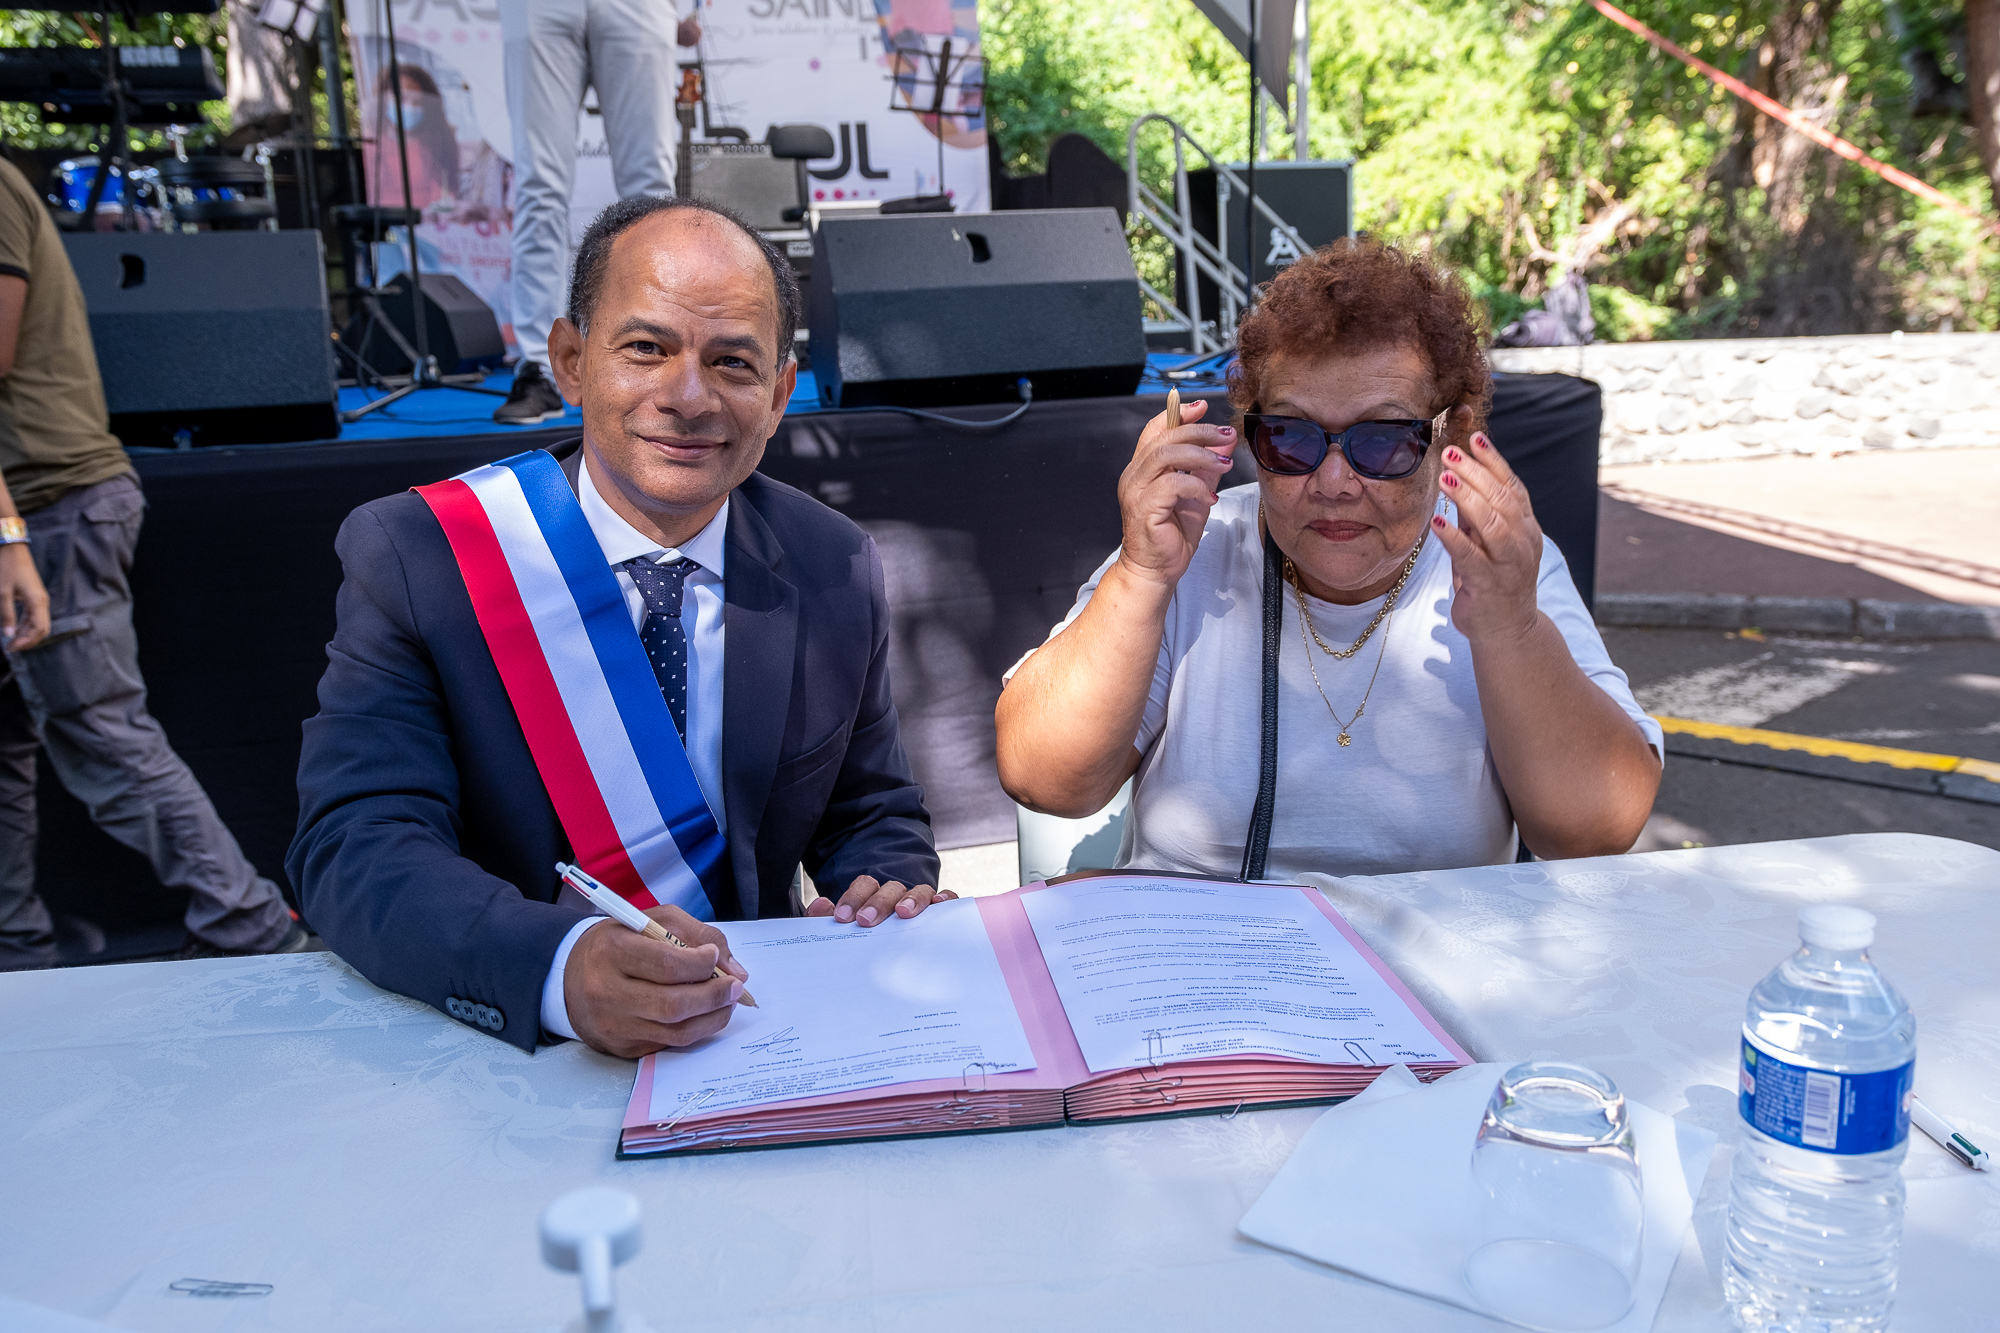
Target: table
{"points": [[281, 1120]]}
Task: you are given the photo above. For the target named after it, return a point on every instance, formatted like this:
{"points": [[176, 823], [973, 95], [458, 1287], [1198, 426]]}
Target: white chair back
{"points": [[1050, 846]]}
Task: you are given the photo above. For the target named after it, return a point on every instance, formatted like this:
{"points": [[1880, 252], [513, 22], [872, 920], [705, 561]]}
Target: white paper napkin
{"points": [[1381, 1186]]}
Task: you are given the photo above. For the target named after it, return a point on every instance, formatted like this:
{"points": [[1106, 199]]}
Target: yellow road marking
{"points": [[1820, 745]]}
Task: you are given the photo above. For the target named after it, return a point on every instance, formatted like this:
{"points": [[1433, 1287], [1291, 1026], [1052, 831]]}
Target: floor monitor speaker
{"points": [[462, 331], [210, 337], [925, 310]]}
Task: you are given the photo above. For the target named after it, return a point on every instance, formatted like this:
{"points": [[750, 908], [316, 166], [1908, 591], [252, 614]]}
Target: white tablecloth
{"points": [[281, 1120]]}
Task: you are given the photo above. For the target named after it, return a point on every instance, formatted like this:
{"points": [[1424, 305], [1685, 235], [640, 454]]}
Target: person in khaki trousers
{"points": [[70, 685]]}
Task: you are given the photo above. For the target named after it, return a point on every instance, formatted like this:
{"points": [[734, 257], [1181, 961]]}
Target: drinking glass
{"points": [[1556, 1188]]}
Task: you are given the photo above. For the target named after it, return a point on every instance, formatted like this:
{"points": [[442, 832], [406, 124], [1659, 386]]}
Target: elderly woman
{"points": [[1438, 683]]}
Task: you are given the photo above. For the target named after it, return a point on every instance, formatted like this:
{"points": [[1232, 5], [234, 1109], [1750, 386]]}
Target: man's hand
{"points": [[1496, 549], [870, 901], [689, 31], [1167, 490], [630, 996], [24, 602]]}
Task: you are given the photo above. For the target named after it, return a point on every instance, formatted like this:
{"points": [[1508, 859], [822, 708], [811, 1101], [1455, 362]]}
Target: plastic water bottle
{"points": [[1816, 1195]]}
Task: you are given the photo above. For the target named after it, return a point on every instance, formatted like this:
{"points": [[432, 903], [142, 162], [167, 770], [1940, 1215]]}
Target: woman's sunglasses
{"points": [[1378, 450]]}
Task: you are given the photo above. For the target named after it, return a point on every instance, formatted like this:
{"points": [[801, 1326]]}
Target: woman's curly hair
{"points": [[1360, 295]]}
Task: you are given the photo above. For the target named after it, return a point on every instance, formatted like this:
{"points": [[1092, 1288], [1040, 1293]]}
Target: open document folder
{"points": [[1101, 997]]}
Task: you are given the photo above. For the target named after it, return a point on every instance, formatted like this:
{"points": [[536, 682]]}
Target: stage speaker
{"points": [[746, 179], [1317, 198], [215, 337], [923, 310], [462, 332]]}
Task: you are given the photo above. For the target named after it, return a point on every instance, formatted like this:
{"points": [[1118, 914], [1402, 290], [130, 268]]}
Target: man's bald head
{"points": [[593, 260]]}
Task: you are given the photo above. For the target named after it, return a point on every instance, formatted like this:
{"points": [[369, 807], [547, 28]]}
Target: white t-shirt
{"points": [[1415, 790]]}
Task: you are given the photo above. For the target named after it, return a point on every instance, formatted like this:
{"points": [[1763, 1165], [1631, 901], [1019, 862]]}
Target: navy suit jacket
{"points": [[426, 845]]}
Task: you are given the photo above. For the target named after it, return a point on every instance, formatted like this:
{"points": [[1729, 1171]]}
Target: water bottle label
{"points": [[1826, 1112]]}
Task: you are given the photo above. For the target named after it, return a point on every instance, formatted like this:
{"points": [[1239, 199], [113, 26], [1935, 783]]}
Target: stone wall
{"points": [[1746, 397]]}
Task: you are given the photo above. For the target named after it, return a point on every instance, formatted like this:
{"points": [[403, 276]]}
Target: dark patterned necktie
{"points": [[662, 584]]}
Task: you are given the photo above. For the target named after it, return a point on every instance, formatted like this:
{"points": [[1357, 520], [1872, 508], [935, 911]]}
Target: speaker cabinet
{"points": [[924, 310], [462, 331], [1317, 198], [210, 337], [746, 179]]}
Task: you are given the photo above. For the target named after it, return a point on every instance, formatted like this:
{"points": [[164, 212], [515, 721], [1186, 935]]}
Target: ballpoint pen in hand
{"points": [[1953, 1142], [615, 907]]}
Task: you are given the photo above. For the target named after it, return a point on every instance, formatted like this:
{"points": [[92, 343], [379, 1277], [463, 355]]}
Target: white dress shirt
{"points": [[701, 618]]}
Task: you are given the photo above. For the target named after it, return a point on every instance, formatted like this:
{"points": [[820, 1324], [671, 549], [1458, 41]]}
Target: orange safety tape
{"points": [[1792, 118]]}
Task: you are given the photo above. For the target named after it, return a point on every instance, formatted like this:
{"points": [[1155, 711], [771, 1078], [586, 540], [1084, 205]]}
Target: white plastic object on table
{"points": [[590, 1232], [1836, 926]]}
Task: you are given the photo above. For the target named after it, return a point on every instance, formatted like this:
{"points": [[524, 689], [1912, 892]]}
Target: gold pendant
{"points": [[1345, 739]]}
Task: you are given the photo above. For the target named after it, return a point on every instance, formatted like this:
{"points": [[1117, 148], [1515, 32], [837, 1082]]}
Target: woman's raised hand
{"points": [[1496, 549], [1167, 490]]}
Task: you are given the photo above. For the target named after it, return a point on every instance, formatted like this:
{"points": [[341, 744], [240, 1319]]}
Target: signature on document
{"points": [[781, 1042]]}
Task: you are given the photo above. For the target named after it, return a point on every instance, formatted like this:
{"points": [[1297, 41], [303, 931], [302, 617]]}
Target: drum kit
{"points": [[174, 195]]}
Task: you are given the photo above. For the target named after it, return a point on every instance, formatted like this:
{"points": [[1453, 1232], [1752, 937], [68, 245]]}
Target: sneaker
{"points": [[532, 400], [296, 941]]}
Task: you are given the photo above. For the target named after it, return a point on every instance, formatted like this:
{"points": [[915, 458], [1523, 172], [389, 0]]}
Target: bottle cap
{"points": [[1831, 926]]}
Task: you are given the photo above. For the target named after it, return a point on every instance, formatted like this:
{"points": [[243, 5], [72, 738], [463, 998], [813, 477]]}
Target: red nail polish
{"points": [[1481, 440], [1227, 430], [1451, 481], [1437, 521]]}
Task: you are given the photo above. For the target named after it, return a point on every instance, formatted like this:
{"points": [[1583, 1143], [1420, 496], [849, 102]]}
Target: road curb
{"points": [[1858, 617], [1848, 761]]}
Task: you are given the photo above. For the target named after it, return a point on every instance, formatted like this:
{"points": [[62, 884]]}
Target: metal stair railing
{"points": [[1195, 256]]}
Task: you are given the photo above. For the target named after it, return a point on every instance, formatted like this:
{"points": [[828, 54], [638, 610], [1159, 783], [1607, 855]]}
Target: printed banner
{"points": [[868, 71]]}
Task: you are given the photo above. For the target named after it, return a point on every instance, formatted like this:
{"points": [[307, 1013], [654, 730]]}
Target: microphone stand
{"points": [[1250, 181]]}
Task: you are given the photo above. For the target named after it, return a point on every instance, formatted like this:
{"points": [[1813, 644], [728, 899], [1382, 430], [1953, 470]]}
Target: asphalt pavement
{"points": [[1940, 697]]}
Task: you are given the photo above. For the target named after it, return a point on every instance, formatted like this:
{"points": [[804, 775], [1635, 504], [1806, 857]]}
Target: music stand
{"points": [[423, 366], [903, 89]]}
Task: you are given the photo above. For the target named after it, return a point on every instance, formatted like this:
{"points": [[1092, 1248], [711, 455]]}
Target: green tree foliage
{"points": [[1524, 140]]}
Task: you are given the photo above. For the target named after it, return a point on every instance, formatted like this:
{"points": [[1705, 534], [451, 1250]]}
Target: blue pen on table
{"points": [[615, 907], [1953, 1142]]}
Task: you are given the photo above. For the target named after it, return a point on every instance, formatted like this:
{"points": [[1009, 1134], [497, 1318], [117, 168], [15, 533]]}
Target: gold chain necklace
{"points": [[1306, 627], [1344, 738], [1382, 613]]}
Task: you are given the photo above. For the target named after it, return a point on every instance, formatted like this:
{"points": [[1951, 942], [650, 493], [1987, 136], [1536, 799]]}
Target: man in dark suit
{"points": [[427, 838]]}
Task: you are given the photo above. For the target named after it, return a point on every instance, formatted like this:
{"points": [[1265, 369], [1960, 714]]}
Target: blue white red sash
{"points": [[588, 702]]}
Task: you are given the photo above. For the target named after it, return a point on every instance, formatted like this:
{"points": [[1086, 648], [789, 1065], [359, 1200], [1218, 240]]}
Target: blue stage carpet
{"points": [[436, 412]]}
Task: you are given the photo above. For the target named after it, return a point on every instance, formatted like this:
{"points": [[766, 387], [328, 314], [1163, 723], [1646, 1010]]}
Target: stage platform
{"points": [[437, 413], [985, 537]]}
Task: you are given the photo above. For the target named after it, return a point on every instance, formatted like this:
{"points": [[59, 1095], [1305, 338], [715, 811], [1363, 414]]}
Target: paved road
{"points": [[1942, 697]]}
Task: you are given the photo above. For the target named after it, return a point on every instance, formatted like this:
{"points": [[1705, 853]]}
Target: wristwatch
{"points": [[12, 531]]}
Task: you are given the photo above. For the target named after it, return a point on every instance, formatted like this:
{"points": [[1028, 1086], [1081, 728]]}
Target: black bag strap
{"points": [[1257, 842]]}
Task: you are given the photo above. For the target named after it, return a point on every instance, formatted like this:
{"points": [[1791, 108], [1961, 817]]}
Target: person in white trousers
{"points": [[555, 50]]}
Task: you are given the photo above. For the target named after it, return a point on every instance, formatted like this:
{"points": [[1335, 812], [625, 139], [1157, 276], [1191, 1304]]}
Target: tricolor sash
{"points": [[557, 625]]}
